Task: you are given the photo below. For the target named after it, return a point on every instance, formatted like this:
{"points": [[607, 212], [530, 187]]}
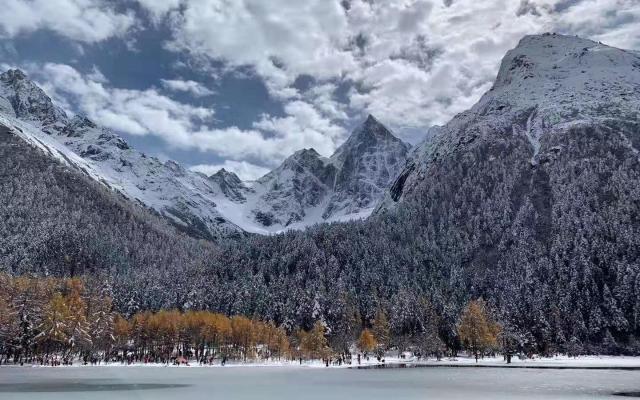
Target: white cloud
{"points": [[184, 126], [158, 8], [136, 112], [246, 171], [303, 126], [272, 139], [613, 22], [195, 88], [281, 39], [413, 63], [81, 20]]}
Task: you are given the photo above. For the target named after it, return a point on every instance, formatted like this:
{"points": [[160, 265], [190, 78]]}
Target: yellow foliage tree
{"points": [[216, 330], [242, 334], [121, 332], [54, 331], [477, 331], [313, 344], [367, 342]]}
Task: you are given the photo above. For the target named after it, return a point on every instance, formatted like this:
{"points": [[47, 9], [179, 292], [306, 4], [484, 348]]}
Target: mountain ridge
{"points": [[535, 92], [211, 207]]}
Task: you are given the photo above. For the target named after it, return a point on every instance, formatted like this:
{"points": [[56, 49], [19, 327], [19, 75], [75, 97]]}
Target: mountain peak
{"points": [[230, 184], [372, 128], [226, 175], [544, 39], [29, 102], [368, 136], [13, 75], [371, 120], [304, 153], [554, 73]]}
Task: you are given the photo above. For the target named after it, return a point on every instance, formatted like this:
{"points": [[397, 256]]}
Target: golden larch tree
{"points": [[477, 331]]}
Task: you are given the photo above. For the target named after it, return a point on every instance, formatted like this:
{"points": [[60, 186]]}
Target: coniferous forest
{"points": [[574, 290]]}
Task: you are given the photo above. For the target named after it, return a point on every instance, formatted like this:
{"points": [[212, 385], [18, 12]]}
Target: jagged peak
{"points": [[230, 184], [371, 127], [175, 167], [30, 102], [371, 120], [13, 75], [552, 56], [544, 39], [307, 157], [563, 75], [18, 80], [370, 133], [310, 152], [81, 120], [223, 174]]}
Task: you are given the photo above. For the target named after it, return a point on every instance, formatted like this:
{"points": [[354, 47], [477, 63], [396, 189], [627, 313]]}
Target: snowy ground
{"points": [[597, 362], [558, 361]]}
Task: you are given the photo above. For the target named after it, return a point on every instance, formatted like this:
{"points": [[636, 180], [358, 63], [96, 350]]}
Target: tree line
{"points": [[52, 321]]}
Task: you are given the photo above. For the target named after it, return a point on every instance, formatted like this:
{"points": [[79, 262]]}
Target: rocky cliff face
{"points": [[367, 163], [23, 99]]}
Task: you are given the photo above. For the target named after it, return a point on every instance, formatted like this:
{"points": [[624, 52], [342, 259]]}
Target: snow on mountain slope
{"points": [[308, 188], [186, 198], [304, 190], [367, 163], [547, 85]]}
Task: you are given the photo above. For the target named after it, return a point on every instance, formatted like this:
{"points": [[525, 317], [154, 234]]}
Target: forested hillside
{"points": [[57, 221]]}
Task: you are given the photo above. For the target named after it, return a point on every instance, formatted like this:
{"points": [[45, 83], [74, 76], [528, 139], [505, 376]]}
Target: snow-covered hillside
{"points": [[304, 190], [186, 198], [545, 86]]}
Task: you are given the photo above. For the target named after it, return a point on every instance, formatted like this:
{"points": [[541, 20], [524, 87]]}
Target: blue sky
{"points": [[245, 83]]}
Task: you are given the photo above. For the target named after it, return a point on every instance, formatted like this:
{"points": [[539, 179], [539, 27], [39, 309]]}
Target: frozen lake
{"points": [[286, 383]]}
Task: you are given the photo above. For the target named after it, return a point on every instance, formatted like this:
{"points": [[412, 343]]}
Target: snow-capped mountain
{"points": [[306, 189], [367, 163], [188, 199], [547, 88]]}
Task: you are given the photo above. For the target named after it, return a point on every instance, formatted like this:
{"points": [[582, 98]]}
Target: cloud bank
{"points": [[412, 63]]}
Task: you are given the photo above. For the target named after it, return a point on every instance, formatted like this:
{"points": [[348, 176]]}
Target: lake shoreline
{"points": [[623, 363]]}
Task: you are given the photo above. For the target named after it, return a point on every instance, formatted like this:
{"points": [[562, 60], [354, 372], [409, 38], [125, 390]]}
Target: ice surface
{"points": [[99, 383]]}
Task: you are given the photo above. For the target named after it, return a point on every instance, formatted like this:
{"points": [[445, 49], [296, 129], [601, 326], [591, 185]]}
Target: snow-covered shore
{"points": [[595, 362], [560, 361]]}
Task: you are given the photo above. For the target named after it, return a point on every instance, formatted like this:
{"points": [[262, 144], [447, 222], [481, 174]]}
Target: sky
{"points": [[242, 84]]}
